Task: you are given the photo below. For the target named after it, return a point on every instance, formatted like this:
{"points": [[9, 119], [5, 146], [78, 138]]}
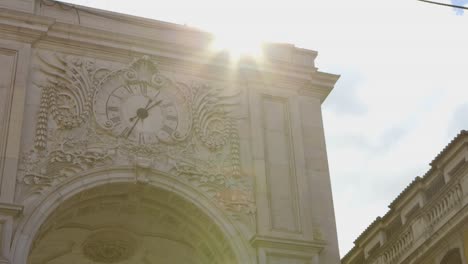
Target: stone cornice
{"points": [[283, 63], [23, 27], [293, 244], [154, 33], [119, 43], [455, 146], [10, 209], [320, 85], [451, 149]]}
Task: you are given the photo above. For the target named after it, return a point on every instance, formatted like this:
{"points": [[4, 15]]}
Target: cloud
{"points": [[459, 11], [459, 120], [345, 100], [381, 143]]}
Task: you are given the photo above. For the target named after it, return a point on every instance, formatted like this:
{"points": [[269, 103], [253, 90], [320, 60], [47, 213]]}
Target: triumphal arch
{"points": [[127, 140]]}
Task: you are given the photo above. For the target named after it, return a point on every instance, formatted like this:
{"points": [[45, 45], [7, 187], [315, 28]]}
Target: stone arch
{"points": [[36, 215], [452, 256]]}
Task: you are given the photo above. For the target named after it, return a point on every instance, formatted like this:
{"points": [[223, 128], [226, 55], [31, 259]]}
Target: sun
{"points": [[238, 45]]}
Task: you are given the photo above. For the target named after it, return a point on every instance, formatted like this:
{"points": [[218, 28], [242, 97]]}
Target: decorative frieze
{"points": [[92, 115]]}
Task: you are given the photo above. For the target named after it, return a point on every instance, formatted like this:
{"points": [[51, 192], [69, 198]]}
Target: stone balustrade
{"points": [[395, 248], [442, 207], [404, 241], [433, 213], [426, 214]]}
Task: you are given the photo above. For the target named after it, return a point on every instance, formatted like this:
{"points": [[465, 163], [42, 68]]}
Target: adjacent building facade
{"points": [[428, 222], [127, 140]]}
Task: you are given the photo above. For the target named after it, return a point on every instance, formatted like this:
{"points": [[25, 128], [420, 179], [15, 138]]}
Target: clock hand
{"points": [[154, 97], [153, 105], [132, 118], [146, 108], [131, 129]]}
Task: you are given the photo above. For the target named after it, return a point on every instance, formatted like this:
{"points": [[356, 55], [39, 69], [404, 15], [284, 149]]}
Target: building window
{"points": [[412, 212], [393, 228], [435, 186], [374, 249]]}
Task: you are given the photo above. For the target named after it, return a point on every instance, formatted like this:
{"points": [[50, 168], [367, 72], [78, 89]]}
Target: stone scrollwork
{"points": [[188, 131], [66, 93], [208, 114], [110, 246]]}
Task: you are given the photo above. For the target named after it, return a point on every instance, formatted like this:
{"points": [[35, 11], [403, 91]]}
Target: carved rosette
{"points": [[196, 138], [109, 246]]}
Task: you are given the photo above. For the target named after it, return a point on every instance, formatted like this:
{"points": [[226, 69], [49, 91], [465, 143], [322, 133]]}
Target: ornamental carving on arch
{"points": [[93, 115]]}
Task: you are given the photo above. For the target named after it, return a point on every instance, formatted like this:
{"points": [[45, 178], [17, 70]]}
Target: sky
{"points": [[401, 98]]}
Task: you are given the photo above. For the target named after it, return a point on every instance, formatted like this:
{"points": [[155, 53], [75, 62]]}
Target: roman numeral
{"points": [[128, 89], [124, 132], [171, 117], [120, 98], [143, 89], [169, 130], [115, 119], [141, 138], [166, 105], [112, 108]]}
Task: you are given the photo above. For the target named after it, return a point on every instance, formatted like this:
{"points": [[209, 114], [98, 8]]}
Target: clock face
{"points": [[139, 112]]}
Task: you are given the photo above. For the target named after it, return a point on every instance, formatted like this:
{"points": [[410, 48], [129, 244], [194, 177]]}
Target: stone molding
{"points": [[281, 250], [11, 209], [37, 211], [291, 244], [48, 33]]}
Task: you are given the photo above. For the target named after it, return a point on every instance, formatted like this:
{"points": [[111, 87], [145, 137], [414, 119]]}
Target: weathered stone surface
{"points": [[126, 140]]}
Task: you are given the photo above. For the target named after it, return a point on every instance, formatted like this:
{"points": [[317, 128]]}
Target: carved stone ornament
{"points": [[92, 116], [109, 246]]}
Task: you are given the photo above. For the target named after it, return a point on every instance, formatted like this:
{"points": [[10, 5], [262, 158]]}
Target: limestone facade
{"points": [[127, 140], [428, 222]]}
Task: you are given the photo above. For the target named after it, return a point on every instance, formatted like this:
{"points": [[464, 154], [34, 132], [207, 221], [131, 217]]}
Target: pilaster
{"points": [[293, 193], [15, 52], [8, 212]]}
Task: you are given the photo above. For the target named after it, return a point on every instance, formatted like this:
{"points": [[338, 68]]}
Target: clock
{"points": [[140, 110]]}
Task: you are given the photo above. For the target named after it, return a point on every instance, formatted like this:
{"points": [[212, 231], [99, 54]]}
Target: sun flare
{"points": [[238, 45]]}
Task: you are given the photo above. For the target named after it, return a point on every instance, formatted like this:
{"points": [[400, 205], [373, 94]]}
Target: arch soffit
{"points": [[36, 213], [452, 256]]}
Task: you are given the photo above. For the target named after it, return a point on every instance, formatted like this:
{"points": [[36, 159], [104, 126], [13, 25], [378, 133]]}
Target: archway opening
{"points": [[452, 257], [129, 223]]}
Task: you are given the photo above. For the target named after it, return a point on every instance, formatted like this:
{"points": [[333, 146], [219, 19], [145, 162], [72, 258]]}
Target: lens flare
{"points": [[238, 45]]}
